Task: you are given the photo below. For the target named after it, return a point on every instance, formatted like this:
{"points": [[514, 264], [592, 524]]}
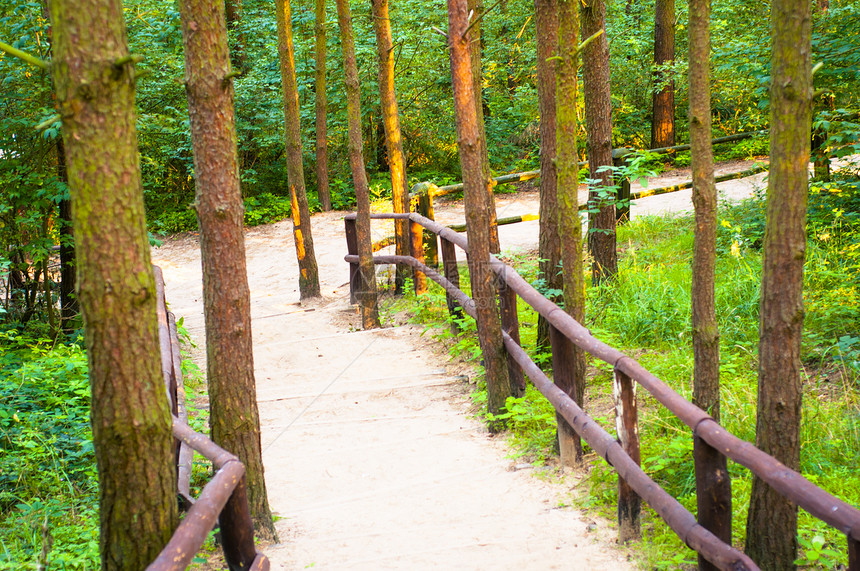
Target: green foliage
{"points": [[47, 467]]}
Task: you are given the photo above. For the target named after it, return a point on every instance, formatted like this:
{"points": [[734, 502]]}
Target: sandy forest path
{"points": [[372, 458]]}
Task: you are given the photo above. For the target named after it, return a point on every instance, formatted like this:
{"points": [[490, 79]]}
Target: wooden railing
{"points": [[223, 499], [622, 451]]}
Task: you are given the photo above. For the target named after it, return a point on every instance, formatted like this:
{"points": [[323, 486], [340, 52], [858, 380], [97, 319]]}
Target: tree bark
{"points": [[712, 479], [598, 122], [234, 419], [477, 214], [68, 300], [569, 225], [393, 137], [309, 281], [130, 418], [367, 298], [663, 108], [549, 243], [772, 519], [321, 108], [476, 9]]}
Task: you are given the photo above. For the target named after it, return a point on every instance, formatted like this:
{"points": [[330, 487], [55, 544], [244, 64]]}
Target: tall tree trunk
{"points": [[391, 122], [772, 519], [477, 213], [233, 15], [712, 475], [309, 281], [234, 420], [321, 107], [367, 297], [569, 224], [663, 108], [549, 243], [130, 418], [598, 122], [476, 9], [68, 301]]}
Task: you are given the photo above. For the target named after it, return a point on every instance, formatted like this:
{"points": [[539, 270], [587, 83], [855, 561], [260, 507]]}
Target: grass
{"points": [[646, 313], [48, 478]]}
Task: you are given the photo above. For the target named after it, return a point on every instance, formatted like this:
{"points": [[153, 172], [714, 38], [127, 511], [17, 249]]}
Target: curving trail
{"points": [[372, 458]]}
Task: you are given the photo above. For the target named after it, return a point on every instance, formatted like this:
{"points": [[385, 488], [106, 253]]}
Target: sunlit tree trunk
{"points": [[772, 520], [234, 419], [663, 108], [131, 422], [391, 122], [476, 9], [367, 298], [309, 281], [569, 224], [598, 122], [477, 213], [549, 243], [321, 106]]}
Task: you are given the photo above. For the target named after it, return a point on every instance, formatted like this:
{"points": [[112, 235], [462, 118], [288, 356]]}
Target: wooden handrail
{"points": [[224, 499], [789, 483]]}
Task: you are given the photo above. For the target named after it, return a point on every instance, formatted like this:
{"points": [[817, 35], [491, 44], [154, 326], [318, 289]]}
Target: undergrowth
{"points": [[645, 312], [48, 476]]}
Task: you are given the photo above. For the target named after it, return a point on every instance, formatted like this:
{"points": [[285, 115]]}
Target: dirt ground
{"points": [[373, 458]]}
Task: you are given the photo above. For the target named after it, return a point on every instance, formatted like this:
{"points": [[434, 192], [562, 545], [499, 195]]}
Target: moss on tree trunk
{"points": [[569, 225], [116, 288]]}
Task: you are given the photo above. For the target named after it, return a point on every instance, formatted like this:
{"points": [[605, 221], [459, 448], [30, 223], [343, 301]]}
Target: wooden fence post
{"points": [[853, 554], [627, 426], [352, 249], [416, 241], [713, 494], [425, 209], [569, 442], [452, 274], [511, 326], [622, 211], [237, 530]]}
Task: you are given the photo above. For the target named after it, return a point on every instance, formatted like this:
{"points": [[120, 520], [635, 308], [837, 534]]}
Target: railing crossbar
{"points": [[787, 482]]}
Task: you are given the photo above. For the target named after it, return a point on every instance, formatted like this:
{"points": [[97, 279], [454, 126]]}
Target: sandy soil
{"points": [[373, 460]]}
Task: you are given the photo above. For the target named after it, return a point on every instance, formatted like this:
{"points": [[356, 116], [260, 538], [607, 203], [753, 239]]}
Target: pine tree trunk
{"points": [[234, 419], [663, 111], [309, 281], [391, 123], [772, 520], [367, 297], [476, 9], [68, 301], [130, 418], [569, 225], [549, 243], [321, 107], [477, 214], [598, 122], [714, 496]]}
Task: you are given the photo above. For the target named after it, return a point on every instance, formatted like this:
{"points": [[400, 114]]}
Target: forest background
{"points": [[30, 189]]}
